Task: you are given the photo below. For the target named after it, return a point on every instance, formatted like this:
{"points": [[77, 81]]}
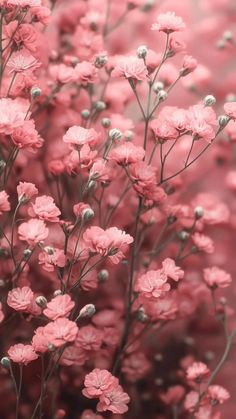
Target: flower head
{"points": [[168, 23]]}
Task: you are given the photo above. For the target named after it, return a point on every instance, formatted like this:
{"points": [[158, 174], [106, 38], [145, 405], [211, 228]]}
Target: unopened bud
{"points": [[87, 214], [35, 92], [87, 311], [51, 347], [223, 120], [223, 301], [85, 113], [57, 292], [92, 184], [194, 249], [129, 135], [41, 301], [183, 235], [6, 362], [189, 341], [158, 86], [27, 253], [162, 95], [141, 315], [103, 275], [2, 164], [171, 219], [99, 106], [148, 5], [228, 36], [159, 382], [106, 122], [115, 134], [209, 100], [198, 212], [158, 357], [220, 44], [100, 61], [142, 51], [49, 250]]}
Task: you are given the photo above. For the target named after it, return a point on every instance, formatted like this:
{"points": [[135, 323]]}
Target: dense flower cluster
{"points": [[117, 209]]}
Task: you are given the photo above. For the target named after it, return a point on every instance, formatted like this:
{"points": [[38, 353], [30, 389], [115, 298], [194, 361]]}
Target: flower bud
{"points": [[103, 275], [100, 61], [115, 134], [106, 122], [209, 100], [198, 212], [141, 315], [41, 301], [35, 92], [92, 184], [99, 105], [2, 164], [228, 36], [6, 362], [223, 120], [162, 95], [27, 253], [158, 357], [87, 311], [57, 292], [183, 235], [51, 347], [49, 250], [129, 135], [220, 44], [148, 5], [87, 214], [142, 51], [85, 113], [158, 86]]}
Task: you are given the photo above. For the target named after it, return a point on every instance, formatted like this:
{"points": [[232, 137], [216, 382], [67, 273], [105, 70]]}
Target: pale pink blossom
{"points": [[45, 209], [203, 242], [112, 242], [215, 277], [98, 382], [127, 153], [21, 61], [60, 306], [60, 331], [22, 354], [188, 66], [50, 259], [80, 136], [4, 202], [230, 109], [197, 371], [130, 67], [171, 270], [114, 400], [12, 114], [26, 190], [26, 136], [153, 284], [62, 73], [85, 72], [20, 298], [217, 394], [168, 22], [33, 231]]}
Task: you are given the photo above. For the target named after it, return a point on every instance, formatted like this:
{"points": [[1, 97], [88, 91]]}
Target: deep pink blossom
{"points": [[4, 202], [59, 306], [153, 284], [20, 298]]}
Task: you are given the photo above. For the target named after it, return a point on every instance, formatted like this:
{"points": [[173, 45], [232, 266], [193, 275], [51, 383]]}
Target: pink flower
{"points": [[40, 341], [188, 66], [131, 67], [203, 243], [80, 136], [202, 122], [153, 284], [60, 331], [26, 190], [163, 129], [89, 414], [173, 395], [85, 72], [33, 231], [217, 394], [98, 382], [50, 258], [89, 338], [171, 270], [216, 277], [26, 136], [21, 61], [115, 401], [62, 73], [45, 209], [230, 109], [12, 114], [4, 203], [59, 306], [20, 298], [22, 354], [111, 242], [135, 366], [127, 153], [168, 23], [197, 371]]}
